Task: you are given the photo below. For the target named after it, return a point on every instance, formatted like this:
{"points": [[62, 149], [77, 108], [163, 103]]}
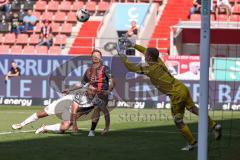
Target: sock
{"points": [[54, 128], [30, 119], [94, 125], [186, 132], [211, 123]]}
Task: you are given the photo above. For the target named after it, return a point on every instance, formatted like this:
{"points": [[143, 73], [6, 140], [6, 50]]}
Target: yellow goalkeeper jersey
{"points": [[158, 74]]}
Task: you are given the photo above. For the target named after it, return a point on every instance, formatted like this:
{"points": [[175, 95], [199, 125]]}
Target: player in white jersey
{"points": [[62, 108], [82, 103], [55, 108]]}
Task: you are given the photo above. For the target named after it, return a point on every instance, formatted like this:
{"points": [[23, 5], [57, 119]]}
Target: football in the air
{"points": [[83, 15]]}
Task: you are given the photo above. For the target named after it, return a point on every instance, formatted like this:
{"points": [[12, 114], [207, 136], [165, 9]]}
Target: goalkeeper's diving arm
{"points": [[129, 65]]}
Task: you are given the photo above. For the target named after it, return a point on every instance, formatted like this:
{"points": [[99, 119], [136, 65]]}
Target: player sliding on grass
{"points": [[62, 107], [161, 78], [83, 103], [55, 108]]}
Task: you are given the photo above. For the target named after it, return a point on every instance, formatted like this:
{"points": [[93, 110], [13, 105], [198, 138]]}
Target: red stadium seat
{"points": [[16, 49], [60, 39], [4, 49], [47, 16], [41, 49], [10, 38], [22, 39], [34, 39], [152, 43], [222, 17], [77, 5], [55, 50], [53, 6], [40, 6], [103, 6], [66, 28], [55, 27], [235, 18], [60, 17], [38, 27], [236, 9], [29, 50], [37, 15], [91, 6], [71, 17], [65, 6]]}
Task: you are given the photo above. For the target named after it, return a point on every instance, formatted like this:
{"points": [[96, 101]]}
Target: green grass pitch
{"points": [[137, 134]]}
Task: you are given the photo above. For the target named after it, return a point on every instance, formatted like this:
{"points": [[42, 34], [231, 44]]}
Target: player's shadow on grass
{"points": [[160, 143]]}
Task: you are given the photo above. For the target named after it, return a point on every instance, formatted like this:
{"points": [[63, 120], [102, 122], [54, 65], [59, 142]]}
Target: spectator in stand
{"points": [[15, 23], [46, 36], [223, 4], [5, 6], [196, 8], [132, 34], [29, 21], [14, 71], [133, 31]]}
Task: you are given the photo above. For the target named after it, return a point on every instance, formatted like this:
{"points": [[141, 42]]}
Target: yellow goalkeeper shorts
{"points": [[180, 100]]}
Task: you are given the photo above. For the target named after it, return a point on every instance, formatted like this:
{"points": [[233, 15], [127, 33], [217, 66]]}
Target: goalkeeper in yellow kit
{"points": [[161, 78]]}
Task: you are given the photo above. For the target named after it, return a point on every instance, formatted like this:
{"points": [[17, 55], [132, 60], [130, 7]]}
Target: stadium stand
{"points": [[62, 15], [85, 39], [4, 49], [174, 11]]}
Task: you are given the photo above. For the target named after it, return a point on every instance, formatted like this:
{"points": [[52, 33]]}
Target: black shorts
{"points": [[85, 110], [103, 98]]}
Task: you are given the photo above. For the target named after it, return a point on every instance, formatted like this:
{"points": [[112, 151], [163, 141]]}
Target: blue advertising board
{"points": [[33, 87]]}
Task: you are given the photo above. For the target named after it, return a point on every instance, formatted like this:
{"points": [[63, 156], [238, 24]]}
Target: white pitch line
{"points": [[22, 112], [29, 131], [143, 131], [15, 132]]}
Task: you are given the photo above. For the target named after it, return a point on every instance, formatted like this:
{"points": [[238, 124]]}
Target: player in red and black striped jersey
{"points": [[99, 75]]}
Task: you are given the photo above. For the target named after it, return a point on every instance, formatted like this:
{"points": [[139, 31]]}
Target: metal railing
{"points": [[93, 39]]}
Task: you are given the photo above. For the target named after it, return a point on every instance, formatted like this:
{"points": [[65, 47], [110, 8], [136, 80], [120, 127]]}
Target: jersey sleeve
{"points": [[134, 68], [140, 48]]}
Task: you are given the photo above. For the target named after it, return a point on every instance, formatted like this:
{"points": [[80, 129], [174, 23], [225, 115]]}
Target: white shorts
{"points": [[60, 106]]}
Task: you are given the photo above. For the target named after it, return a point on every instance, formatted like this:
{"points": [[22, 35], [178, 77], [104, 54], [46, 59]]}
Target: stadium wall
{"points": [[34, 86]]}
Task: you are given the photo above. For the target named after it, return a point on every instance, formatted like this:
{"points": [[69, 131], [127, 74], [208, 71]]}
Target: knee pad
{"points": [[178, 118]]}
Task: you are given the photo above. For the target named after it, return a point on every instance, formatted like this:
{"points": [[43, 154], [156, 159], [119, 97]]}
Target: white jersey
{"points": [[64, 103], [59, 106], [85, 101]]}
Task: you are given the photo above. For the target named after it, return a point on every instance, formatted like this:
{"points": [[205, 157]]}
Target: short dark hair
{"points": [[13, 62], [153, 53], [96, 50]]}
